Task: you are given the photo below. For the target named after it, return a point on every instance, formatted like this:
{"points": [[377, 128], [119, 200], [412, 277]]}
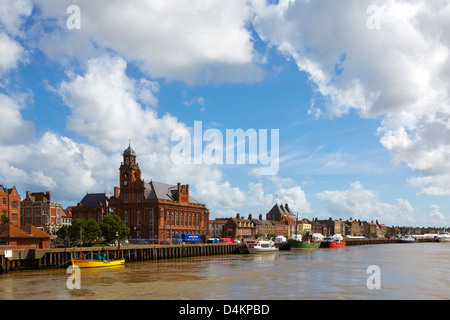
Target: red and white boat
{"points": [[333, 242]]}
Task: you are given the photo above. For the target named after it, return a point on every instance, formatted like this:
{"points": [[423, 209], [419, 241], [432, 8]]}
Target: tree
{"points": [[91, 230], [73, 231], [5, 219], [62, 232], [112, 224]]}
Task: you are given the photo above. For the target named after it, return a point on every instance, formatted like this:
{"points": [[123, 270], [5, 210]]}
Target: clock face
{"points": [[125, 182]]}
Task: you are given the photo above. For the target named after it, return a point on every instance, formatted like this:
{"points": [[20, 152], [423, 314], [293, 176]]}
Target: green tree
{"points": [[62, 232], [73, 231], [112, 224], [91, 230], [5, 219]]}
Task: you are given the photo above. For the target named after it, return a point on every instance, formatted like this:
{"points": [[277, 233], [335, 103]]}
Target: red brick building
{"points": [[10, 204], [239, 228], [28, 237], [155, 210], [92, 206], [40, 210]]}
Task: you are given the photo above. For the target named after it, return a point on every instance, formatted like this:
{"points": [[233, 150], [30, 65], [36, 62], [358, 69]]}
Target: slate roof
{"points": [[159, 190], [280, 210], [129, 151], [261, 222], [91, 199]]}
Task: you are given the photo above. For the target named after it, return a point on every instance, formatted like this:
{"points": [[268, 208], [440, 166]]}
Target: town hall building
{"points": [[152, 210]]}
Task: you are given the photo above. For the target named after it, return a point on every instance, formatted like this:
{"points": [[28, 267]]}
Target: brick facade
{"points": [[10, 204], [155, 210], [40, 210]]}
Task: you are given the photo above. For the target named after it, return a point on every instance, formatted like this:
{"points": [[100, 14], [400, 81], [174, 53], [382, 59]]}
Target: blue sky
{"points": [[362, 111]]}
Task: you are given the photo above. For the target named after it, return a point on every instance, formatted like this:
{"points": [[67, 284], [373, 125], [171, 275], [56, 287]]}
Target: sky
{"points": [[345, 103]]}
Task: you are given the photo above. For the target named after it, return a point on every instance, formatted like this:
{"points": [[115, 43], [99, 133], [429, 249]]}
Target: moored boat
{"points": [[333, 242], [296, 243], [259, 246], [408, 239], [93, 263], [99, 260], [443, 237]]}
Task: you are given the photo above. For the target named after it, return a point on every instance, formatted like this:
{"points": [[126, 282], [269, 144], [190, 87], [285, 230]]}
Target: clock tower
{"points": [[129, 169]]}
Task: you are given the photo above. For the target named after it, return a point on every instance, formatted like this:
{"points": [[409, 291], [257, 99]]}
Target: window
{"points": [[4, 201], [125, 198], [125, 217], [138, 197], [177, 219], [138, 218]]}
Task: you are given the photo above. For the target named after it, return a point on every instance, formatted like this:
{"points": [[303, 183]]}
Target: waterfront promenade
{"points": [[61, 258]]}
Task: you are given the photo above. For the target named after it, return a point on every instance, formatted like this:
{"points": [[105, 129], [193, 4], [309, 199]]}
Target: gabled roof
{"points": [[35, 232], [38, 197], [7, 190], [159, 190], [11, 231], [280, 210], [92, 199], [262, 222], [27, 231]]}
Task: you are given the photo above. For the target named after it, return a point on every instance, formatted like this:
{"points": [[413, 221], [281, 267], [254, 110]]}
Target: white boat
{"points": [[409, 239], [444, 237], [261, 246]]}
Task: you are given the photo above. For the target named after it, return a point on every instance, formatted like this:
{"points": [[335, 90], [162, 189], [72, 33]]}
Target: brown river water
{"points": [[406, 271]]}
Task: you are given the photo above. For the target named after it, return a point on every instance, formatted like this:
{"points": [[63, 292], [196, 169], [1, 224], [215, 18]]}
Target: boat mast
{"points": [[81, 237]]}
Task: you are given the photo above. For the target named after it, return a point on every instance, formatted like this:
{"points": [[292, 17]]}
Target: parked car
{"points": [[212, 240], [162, 242], [225, 240]]}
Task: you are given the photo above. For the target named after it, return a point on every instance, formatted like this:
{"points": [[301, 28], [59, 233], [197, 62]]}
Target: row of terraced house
{"points": [[280, 221]]}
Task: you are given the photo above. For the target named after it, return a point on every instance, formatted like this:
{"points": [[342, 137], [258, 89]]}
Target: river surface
{"points": [[406, 271]]}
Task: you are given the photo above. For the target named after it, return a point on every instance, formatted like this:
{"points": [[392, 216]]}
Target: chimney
{"points": [[187, 190], [238, 216], [116, 192], [260, 216], [47, 194], [250, 216]]}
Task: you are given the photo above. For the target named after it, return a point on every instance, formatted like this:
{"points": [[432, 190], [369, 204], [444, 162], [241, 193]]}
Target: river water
{"points": [[406, 271]]}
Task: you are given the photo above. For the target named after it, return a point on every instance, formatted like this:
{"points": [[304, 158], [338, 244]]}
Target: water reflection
{"points": [[320, 274]]}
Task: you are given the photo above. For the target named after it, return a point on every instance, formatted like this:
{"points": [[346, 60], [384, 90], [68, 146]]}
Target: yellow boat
{"points": [[99, 260], [90, 263]]}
